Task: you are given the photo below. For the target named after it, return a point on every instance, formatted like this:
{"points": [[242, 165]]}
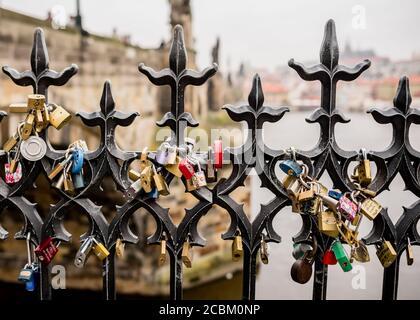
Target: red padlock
{"points": [[218, 154], [46, 250], [329, 258], [186, 168]]}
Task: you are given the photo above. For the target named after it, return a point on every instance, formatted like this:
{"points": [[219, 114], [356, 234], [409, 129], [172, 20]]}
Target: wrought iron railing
{"points": [[109, 161]]}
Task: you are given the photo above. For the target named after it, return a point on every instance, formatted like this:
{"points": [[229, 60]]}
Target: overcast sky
{"points": [[265, 33]]}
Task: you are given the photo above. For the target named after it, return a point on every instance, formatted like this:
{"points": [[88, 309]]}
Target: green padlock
{"points": [[341, 256]]}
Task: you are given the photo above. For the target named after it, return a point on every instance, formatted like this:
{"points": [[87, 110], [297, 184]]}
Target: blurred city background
{"points": [[109, 39]]}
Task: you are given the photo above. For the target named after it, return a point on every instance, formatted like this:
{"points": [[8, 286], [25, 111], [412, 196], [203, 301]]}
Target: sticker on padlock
{"points": [[187, 168], [15, 177]]}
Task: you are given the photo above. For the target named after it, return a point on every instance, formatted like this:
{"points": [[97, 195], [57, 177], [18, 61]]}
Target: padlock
{"points": [[11, 142], [386, 253], [46, 251], [296, 206], [99, 249], [33, 149], [237, 248], [363, 171], [77, 160], [264, 251], [14, 164], [291, 167], [154, 194], [58, 168], [190, 185], [46, 115], [144, 159], [134, 188], [174, 168], [409, 253], [59, 117], [83, 252], [328, 224], [39, 121], [78, 180], [68, 184], [162, 252], [160, 183], [36, 101], [218, 154], [171, 154], [299, 250], [211, 173], [59, 183], [367, 192], [200, 177], [306, 194], [119, 248], [329, 258], [187, 254], [301, 271], [335, 194], [14, 177], [187, 168], [162, 154], [356, 220], [370, 208], [347, 234], [18, 108], [28, 126], [312, 206], [347, 208], [292, 186], [133, 175], [341, 256], [28, 276], [146, 179], [360, 252]]}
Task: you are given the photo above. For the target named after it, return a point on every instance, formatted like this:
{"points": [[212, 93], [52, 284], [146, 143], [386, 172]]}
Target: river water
{"points": [[365, 281]]}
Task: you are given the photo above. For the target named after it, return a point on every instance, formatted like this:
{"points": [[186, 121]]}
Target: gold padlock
{"points": [[364, 173], [187, 254], [292, 186], [356, 219], [409, 253], [162, 254], [13, 165], [134, 175], [370, 208], [174, 168], [59, 183], [28, 126], [143, 159], [59, 117], [190, 185], [312, 206], [306, 195], [296, 207], [119, 248], [68, 185], [39, 120], [36, 101], [328, 224], [237, 248], [386, 253], [146, 179], [347, 234], [100, 250], [11, 142], [264, 251], [160, 183], [46, 115]]}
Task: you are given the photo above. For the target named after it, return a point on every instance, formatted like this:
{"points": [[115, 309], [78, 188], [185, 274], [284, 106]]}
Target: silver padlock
{"points": [[171, 155], [162, 154], [78, 180], [134, 188], [200, 177], [83, 253], [33, 149]]}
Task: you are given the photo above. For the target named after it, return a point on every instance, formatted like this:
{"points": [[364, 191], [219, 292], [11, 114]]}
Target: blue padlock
{"points": [[335, 194], [28, 276], [77, 158], [78, 180], [154, 194], [291, 167]]}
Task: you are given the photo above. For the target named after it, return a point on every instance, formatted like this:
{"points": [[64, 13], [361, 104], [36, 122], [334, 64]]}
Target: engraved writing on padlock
{"points": [[33, 149], [370, 208], [59, 117], [46, 250]]}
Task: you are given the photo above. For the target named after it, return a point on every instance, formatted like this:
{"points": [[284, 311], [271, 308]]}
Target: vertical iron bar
{"points": [[249, 275], [390, 281], [108, 276], [320, 281], [176, 276]]}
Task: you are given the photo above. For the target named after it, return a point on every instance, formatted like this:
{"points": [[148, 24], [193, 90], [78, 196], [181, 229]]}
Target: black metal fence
{"points": [[109, 161]]}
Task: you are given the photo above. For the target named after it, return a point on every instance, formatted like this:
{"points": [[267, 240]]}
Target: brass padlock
{"points": [[328, 224], [68, 185], [190, 185], [237, 248], [162, 253], [119, 248], [59, 183], [146, 179], [143, 159], [36, 101], [187, 254], [292, 186], [296, 207], [11, 142], [356, 219], [306, 195], [28, 126], [13, 165], [386, 253], [160, 183], [409, 253], [312, 206], [39, 121], [348, 235], [134, 175], [99, 249], [360, 252], [264, 251], [174, 168], [46, 115], [59, 117], [370, 208], [18, 108]]}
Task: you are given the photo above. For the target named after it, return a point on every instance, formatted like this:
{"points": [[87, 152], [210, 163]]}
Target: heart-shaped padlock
{"points": [[33, 149], [329, 258]]}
